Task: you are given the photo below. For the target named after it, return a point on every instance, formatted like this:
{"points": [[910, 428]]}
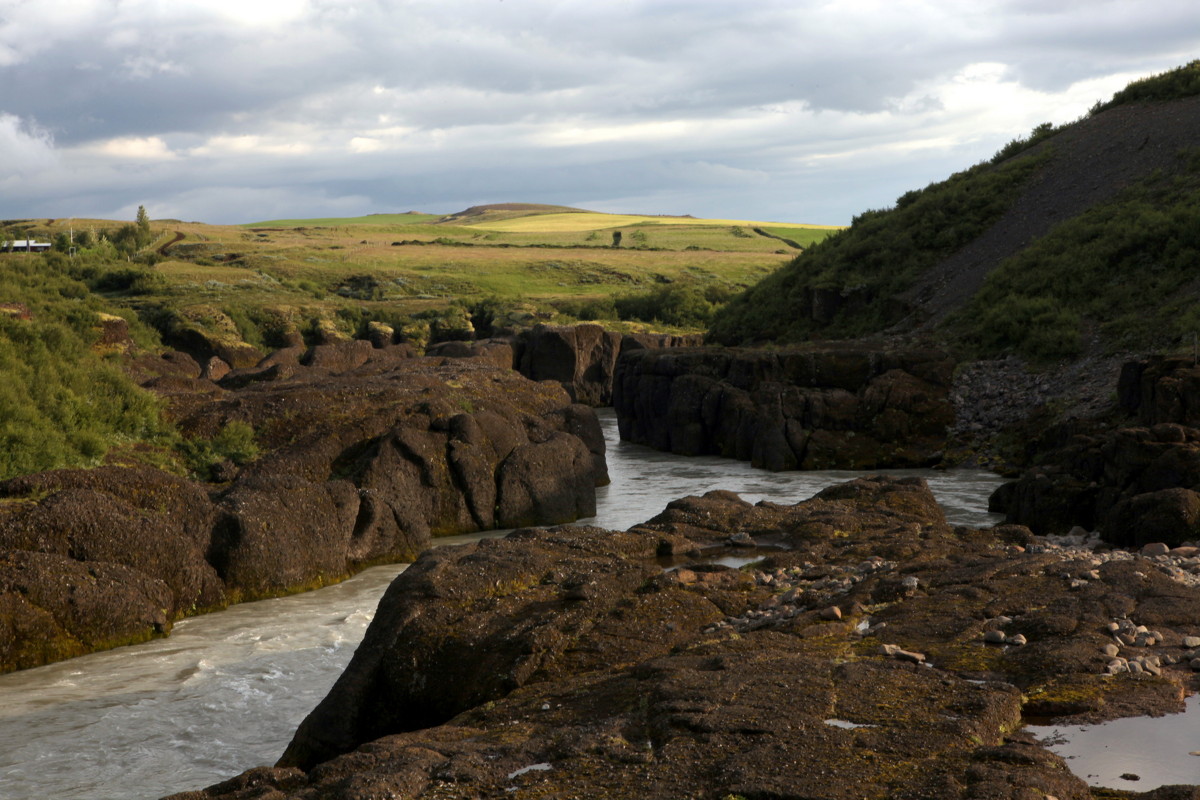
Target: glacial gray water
{"points": [[225, 691]]}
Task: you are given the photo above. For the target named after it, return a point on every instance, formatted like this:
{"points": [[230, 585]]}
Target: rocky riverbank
{"points": [[871, 650], [367, 452]]}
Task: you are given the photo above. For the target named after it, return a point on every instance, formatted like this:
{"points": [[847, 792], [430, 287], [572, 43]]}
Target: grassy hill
{"points": [[1080, 233]]}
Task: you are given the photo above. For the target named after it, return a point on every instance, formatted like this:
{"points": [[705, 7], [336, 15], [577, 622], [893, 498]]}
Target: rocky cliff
{"points": [[366, 454], [1136, 481], [838, 406], [871, 651]]}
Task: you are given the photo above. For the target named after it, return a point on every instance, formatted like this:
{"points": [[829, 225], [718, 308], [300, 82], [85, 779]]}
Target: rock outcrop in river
{"points": [[367, 453], [1135, 482], [873, 651], [844, 406]]}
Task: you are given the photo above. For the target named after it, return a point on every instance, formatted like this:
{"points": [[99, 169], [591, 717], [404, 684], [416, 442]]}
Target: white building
{"points": [[25, 246]]}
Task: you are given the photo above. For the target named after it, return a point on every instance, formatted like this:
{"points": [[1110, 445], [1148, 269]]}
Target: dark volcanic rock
{"points": [[366, 454], [567, 663], [1162, 390], [583, 358], [814, 408], [1133, 484]]}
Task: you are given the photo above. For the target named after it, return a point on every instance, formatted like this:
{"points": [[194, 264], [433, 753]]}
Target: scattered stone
{"points": [[994, 637], [742, 539], [900, 654], [831, 613], [1191, 641], [1111, 650], [1156, 549], [1017, 641]]}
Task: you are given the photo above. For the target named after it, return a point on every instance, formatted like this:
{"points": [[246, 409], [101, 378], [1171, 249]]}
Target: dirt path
{"points": [[179, 237]]}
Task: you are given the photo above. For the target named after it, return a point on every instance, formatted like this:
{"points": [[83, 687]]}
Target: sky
{"points": [[228, 111]]}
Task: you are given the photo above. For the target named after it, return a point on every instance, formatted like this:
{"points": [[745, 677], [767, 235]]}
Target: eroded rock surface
{"points": [[569, 663], [833, 407], [366, 454]]}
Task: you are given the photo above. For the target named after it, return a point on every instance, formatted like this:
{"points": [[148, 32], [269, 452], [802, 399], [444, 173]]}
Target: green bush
{"points": [[235, 442], [681, 305], [597, 308], [61, 403], [1170, 85]]}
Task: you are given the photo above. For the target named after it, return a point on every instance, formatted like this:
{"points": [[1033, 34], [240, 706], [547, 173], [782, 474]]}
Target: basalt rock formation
{"points": [[850, 406], [366, 454], [873, 651], [581, 358], [1134, 484]]}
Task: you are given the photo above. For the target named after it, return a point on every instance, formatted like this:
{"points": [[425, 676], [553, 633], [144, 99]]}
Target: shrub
{"points": [[682, 305], [234, 442], [1170, 85]]}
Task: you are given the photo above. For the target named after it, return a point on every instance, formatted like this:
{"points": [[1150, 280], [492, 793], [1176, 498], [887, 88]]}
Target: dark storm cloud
{"points": [[226, 110]]}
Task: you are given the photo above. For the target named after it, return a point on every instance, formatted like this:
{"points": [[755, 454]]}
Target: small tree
{"points": [[144, 235]]}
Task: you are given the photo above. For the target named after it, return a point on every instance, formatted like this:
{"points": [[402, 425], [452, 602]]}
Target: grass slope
{"points": [[1076, 235]]}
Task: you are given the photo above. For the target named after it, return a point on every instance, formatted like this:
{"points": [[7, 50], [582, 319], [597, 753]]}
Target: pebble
{"points": [[831, 613], [994, 637], [1111, 650], [1156, 549], [1191, 641], [1017, 641]]}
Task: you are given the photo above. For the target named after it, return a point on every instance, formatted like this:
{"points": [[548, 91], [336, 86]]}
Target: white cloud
{"points": [[251, 145], [126, 148]]}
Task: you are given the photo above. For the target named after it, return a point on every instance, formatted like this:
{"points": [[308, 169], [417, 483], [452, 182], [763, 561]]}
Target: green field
{"points": [[530, 262]]}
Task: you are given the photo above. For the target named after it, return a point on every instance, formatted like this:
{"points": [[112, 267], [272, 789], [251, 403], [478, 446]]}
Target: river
{"points": [[225, 691]]}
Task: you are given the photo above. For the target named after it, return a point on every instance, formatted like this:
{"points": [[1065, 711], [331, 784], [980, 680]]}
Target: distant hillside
{"points": [[499, 211], [1090, 228]]}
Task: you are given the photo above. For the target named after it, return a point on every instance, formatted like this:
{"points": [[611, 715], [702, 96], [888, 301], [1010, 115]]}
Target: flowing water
{"points": [[225, 691]]}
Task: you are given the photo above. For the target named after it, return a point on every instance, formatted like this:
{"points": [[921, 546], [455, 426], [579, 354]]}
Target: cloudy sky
{"points": [[789, 110]]}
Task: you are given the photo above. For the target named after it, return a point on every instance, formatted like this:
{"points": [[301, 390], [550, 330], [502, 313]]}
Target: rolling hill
{"points": [[1086, 232]]}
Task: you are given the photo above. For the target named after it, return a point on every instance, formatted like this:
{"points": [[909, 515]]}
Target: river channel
{"points": [[225, 691]]}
